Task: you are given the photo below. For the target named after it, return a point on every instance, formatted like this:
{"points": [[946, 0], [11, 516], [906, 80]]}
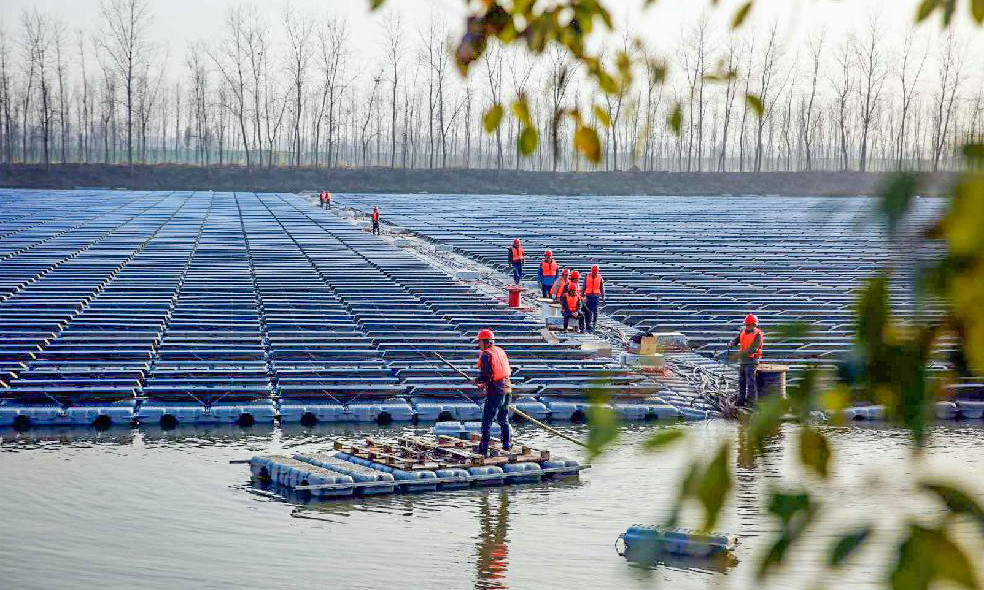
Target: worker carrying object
{"points": [[516, 260], [571, 303], [375, 220], [560, 284], [493, 375], [594, 291], [547, 275], [749, 342]]}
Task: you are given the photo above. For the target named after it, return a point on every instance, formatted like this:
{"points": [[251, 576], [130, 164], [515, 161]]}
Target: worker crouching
{"points": [[493, 376], [749, 342], [571, 303], [547, 275]]}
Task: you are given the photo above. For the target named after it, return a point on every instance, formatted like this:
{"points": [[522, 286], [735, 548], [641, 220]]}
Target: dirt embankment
{"points": [[389, 180]]}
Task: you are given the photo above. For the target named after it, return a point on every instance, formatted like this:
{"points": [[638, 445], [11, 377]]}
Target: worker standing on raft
{"points": [[375, 220], [547, 274], [516, 260], [594, 290], [493, 376], [328, 199], [749, 342], [571, 303]]}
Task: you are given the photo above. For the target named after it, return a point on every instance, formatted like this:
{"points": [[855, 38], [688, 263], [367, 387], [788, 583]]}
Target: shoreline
{"points": [[458, 181]]}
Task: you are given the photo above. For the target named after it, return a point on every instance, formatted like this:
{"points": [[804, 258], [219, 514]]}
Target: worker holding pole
{"points": [[516, 260], [547, 275], [493, 376], [594, 290], [749, 342], [375, 220]]}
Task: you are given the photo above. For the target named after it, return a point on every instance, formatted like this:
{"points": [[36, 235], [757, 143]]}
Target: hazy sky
{"points": [[178, 22]]}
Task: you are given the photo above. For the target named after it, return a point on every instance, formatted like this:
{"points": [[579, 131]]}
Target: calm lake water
{"points": [[165, 510]]}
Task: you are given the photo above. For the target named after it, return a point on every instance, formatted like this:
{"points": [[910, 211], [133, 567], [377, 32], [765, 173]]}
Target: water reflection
{"points": [[493, 540]]}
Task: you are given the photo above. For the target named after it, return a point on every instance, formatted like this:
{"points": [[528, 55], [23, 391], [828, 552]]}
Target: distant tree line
{"points": [[291, 94]]}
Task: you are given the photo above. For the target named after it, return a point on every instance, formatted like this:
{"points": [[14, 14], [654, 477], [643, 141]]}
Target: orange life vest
{"points": [[745, 340], [558, 287], [549, 269], [327, 196], [572, 300], [592, 285], [517, 253], [375, 215], [500, 362]]}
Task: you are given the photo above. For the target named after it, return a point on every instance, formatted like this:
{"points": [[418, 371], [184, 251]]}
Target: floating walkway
{"points": [[203, 308], [409, 464]]}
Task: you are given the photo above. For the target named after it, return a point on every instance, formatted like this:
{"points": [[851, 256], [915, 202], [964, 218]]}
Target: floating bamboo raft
{"points": [[408, 464]]}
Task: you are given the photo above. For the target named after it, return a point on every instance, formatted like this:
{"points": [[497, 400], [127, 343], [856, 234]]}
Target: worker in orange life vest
{"points": [[547, 274], [493, 376], [321, 199], [375, 220], [328, 199], [570, 303], [516, 260], [560, 284], [594, 290], [749, 343]]}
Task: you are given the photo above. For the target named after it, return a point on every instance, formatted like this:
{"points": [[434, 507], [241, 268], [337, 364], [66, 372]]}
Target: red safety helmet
{"points": [[548, 253], [751, 320], [485, 334], [575, 275], [566, 272], [516, 242], [594, 268]]}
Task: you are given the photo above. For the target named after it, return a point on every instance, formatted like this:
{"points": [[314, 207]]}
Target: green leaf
{"points": [[602, 116], [755, 103], [926, 8], [974, 151], [714, 486], [814, 451], [528, 141], [795, 511], [957, 501], [977, 11], [895, 198], [374, 4], [927, 556], [522, 111], [741, 15], [763, 425], [676, 119], [602, 427], [492, 118], [847, 544], [586, 141], [662, 438]]}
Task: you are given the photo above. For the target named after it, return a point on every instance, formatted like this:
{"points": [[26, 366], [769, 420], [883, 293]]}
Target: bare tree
{"points": [[872, 72], [730, 90], [808, 125], [945, 97], [844, 86], [393, 46], [909, 71], [6, 102], [127, 47], [493, 71], [231, 58], [299, 29], [40, 30]]}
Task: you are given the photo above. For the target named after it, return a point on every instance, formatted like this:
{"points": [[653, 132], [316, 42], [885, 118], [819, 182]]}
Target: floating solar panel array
{"points": [[696, 265], [201, 307]]}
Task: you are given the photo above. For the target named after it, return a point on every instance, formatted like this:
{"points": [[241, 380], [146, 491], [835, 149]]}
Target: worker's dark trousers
{"points": [[517, 272], [329, 204], [747, 387], [496, 408], [375, 228], [567, 318], [545, 289], [591, 311]]}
